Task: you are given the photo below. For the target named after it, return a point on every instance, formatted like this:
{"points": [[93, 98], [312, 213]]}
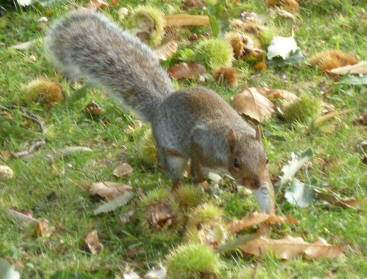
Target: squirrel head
{"points": [[248, 164]]}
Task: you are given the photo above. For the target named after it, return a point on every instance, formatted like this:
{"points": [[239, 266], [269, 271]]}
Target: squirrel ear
{"points": [[258, 133], [231, 137]]}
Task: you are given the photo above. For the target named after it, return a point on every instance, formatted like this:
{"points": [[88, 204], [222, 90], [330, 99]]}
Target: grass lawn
{"points": [[54, 187]]}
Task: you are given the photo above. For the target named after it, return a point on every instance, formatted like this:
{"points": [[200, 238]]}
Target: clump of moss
{"points": [[146, 149], [44, 91], [206, 226], [189, 196], [191, 261], [304, 110], [159, 212], [214, 53], [151, 22]]}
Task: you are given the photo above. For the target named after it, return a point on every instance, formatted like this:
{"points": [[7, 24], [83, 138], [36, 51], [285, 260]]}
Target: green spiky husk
{"points": [[189, 196], [146, 149], [157, 17], [304, 110], [214, 53], [165, 197], [191, 260]]}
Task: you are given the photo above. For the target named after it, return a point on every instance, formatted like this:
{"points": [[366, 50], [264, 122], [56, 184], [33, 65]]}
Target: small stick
{"points": [[33, 147]]}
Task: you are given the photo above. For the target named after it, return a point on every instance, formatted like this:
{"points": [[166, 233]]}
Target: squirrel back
{"points": [[87, 45]]}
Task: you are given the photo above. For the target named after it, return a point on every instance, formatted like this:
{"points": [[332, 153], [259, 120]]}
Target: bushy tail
{"points": [[88, 45]]}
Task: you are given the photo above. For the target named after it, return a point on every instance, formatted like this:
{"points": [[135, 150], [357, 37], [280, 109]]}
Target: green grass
{"points": [[336, 163]]}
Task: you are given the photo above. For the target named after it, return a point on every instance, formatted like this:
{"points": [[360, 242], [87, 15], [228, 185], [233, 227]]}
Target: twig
{"points": [[33, 117], [33, 147]]}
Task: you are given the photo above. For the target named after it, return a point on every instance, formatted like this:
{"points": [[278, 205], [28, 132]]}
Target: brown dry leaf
{"points": [[109, 190], [186, 20], [361, 119], [186, 71], [92, 243], [258, 218], [166, 51], [287, 97], [94, 109], [96, 4], [42, 228], [284, 13], [289, 5], [359, 68], [160, 215], [290, 247], [122, 170], [356, 203], [252, 103]]}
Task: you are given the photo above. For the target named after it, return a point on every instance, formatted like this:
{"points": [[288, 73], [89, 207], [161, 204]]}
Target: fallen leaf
{"points": [[186, 20], [287, 97], [299, 194], [281, 47], [284, 13], [359, 68], [323, 118], [130, 274], [42, 228], [189, 4], [24, 219], [186, 71], [166, 51], [290, 247], [73, 149], [356, 203], [115, 203], [6, 172], [158, 272], [23, 46], [25, 3], [258, 218], [122, 170], [96, 4], [289, 5], [296, 162], [94, 109], [253, 104], [109, 190], [7, 271], [160, 215], [92, 243]]}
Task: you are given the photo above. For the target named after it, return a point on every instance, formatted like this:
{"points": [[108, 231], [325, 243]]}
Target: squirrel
{"points": [[193, 124]]}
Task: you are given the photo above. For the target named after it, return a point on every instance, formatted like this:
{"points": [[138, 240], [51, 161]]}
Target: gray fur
{"points": [[88, 45]]}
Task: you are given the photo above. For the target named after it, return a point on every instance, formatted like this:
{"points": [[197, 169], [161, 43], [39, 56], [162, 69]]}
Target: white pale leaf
{"points": [[114, 204], [25, 2], [290, 169], [299, 194], [281, 47], [7, 271]]}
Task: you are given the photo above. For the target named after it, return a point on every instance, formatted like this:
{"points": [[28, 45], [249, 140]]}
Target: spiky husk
{"points": [[214, 53], [189, 196], [146, 149], [205, 225], [266, 35], [190, 261], [153, 20], [304, 110], [44, 91], [227, 75], [165, 200], [331, 59]]}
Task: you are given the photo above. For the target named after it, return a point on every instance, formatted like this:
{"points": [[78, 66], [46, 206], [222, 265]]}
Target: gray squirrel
{"points": [[193, 124]]}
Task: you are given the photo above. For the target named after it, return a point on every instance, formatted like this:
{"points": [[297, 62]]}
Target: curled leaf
{"points": [[122, 170], [253, 104], [296, 162], [299, 194], [115, 203], [359, 68], [166, 51], [92, 243], [258, 218], [109, 190], [42, 228]]}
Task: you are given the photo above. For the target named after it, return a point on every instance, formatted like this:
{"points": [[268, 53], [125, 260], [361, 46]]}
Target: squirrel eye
{"points": [[236, 163]]}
